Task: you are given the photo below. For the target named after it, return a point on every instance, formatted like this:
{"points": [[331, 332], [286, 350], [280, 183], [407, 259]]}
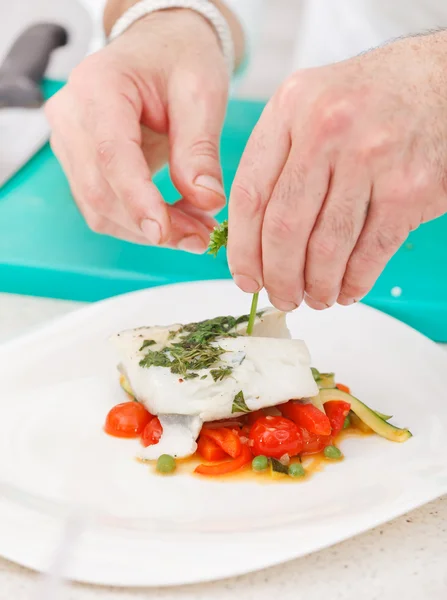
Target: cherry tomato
{"points": [[275, 436], [254, 416], [127, 420], [314, 443], [337, 411], [152, 433], [307, 416], [209, 450]]}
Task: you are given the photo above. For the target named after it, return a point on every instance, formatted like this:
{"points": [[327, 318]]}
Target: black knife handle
{"points": [[30, 54], [26, 62]]}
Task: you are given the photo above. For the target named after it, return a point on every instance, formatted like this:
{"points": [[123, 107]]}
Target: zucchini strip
{"points": [[367, 415]]}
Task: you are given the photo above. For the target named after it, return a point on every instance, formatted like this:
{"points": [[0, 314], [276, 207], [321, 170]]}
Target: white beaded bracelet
{"points": [[204, 7]]}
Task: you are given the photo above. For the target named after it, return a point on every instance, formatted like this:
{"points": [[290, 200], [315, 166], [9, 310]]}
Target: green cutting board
{"points": [[47, 250]]}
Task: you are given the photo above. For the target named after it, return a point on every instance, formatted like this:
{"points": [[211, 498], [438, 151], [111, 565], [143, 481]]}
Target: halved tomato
{"points": [[152, 433], [314, 443], [127, 420], [337, 411], [275, 436]]}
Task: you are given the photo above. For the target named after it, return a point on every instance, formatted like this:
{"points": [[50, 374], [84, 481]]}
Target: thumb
{"points": [[196, 115]]}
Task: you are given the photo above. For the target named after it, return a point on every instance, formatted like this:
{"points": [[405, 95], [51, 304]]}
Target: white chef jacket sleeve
{"points": [[247, 11]]}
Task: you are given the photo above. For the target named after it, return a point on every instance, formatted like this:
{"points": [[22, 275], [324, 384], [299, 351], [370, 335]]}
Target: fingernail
{"points": [[283, 305], [193, 244], [344, 301], [315, 304], [210, 183], [151, 230], [247, 284]]}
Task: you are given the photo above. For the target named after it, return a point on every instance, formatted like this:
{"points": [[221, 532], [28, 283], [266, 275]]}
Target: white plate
{"points": [[58, 384]]}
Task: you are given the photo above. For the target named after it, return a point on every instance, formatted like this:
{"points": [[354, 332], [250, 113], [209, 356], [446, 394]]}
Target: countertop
{"points": [[406, 558]]}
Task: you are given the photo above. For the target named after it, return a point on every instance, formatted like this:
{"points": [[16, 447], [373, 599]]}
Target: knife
{"points": [[23, 126]]}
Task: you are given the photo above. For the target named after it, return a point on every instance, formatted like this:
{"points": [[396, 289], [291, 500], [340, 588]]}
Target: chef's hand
{"points": [[345, 161], [158, 90]]}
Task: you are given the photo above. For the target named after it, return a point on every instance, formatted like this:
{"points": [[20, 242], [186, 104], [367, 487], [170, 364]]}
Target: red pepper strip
{"points": [[209, 450], [228, 466], [226, 439], [307, 416]]}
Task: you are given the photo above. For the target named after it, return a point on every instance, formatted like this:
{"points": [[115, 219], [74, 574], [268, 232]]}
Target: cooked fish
{"points": [[208, 371]]}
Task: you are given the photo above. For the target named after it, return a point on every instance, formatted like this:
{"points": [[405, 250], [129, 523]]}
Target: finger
{"points": [[335, 235], [190, 228], [382, 236], [289, 219], [88, 187], [104, 226], [116, 135], [262, 162], [196, 115], [205, 218]]}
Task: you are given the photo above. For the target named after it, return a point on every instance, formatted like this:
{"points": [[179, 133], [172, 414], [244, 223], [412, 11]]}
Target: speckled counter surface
{"points": [[406, 558]]}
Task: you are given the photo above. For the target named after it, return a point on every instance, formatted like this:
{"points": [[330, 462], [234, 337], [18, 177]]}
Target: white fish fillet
{"points": [[269, 370]]}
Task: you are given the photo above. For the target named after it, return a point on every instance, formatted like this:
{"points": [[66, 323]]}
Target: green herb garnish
{"points": [[192, 349], [147, 343], [191, 375], [251, 320], [155, 359], [218, 240], [239, 404], [220, 373]]}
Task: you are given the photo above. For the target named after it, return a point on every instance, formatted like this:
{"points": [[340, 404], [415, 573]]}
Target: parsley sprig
{"points": [[218, 240]]}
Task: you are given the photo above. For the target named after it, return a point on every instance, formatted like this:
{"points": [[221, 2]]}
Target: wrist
{"points": [[180, 26], [115, 9]]}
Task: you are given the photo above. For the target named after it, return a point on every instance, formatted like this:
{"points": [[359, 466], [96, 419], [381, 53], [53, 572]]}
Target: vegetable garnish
{"points": [[127, 420], [209, 450], [218, 240], [296, 470], [333, 453], [226, 439], [166, 464], [260, 463], [239, 405], [152, 433], [229, 466]]}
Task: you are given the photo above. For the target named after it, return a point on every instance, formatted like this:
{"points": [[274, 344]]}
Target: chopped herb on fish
{"points": [[147, 343], [239, 404], [191, 348], [221, 373]]}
